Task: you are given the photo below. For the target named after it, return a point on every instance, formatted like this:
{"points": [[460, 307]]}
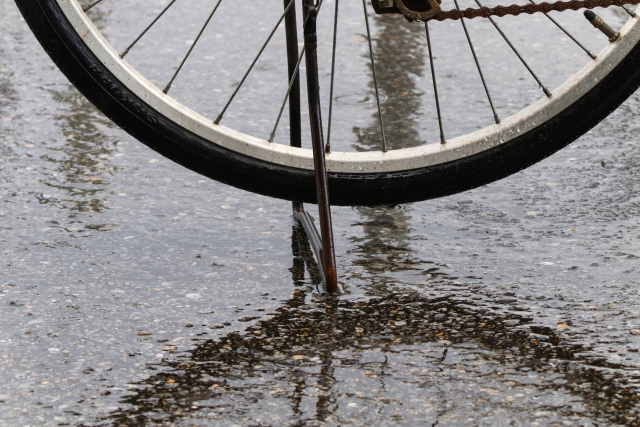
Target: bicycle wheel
{"points": [[535, 131]]}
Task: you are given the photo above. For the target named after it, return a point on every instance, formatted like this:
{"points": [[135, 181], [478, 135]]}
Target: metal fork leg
{"points": [[295, 128], [327, 257]]}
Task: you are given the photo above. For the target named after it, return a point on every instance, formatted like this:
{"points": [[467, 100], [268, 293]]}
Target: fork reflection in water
{"points": [[394, 357]]}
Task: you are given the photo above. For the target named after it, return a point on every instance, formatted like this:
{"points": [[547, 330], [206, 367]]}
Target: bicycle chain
{"points": [[531, 8]]}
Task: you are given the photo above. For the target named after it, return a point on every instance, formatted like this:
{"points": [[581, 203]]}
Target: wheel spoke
{"points": [[631, 13], [88, 7], [264, 46], [375, 78], [124, 52], [333, 74], [568, 34], [435, 85], [475, 58], [506, 39], [292, 81], [193, 45], [286, 97]]}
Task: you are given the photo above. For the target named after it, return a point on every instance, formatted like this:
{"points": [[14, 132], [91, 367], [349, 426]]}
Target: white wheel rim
{"points": [[356, 162]]}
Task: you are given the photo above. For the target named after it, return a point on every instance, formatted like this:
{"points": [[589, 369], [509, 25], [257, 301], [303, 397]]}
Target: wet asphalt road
{"points": [[133, 292]]}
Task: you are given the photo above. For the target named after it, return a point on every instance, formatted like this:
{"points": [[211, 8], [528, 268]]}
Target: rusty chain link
{"points": [[515, 9]]}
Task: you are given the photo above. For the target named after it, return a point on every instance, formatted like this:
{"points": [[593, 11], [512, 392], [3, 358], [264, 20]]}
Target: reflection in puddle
{"points": [[390, 358], [81, 170], [399, 60], [384, 245], [82, 163]]}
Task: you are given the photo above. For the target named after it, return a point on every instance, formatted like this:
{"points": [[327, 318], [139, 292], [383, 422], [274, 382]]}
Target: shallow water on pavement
{"points": [[134, 292]]}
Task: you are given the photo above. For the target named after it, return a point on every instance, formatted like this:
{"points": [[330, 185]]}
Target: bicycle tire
{"points": [[96, 82]]}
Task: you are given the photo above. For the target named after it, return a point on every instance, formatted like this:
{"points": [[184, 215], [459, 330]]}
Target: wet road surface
{"points": [[134, 292]]}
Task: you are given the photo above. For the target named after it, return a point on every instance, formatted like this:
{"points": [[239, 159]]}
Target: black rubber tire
{"points": [[94, 80]]}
